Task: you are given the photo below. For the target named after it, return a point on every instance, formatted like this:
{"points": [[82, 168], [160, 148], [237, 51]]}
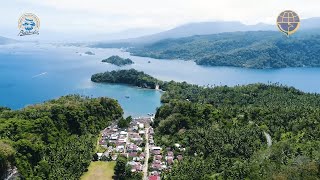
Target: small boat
{"points": [[127, 97], [150, 114]]}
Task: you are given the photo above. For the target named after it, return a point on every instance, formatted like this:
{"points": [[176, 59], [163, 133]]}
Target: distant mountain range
{"points": [[204, 28], [141, 36], [311, 23]]}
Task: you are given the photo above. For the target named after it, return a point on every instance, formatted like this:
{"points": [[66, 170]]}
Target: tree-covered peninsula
{"points": [[54, 140], [258, 50], [223, 131], [118, 61]]}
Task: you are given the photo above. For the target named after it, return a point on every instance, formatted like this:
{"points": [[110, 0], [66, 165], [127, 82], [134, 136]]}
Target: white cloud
{"points": [[92, 16]]}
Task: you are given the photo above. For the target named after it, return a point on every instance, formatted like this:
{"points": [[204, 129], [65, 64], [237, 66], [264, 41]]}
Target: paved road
{"points": [[145, 167]]}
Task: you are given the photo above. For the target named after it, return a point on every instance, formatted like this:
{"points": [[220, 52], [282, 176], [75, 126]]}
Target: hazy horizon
{"points": [[87, 18]]}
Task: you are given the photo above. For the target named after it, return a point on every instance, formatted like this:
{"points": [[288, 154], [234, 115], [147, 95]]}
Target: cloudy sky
{"points": [[108, 16]]}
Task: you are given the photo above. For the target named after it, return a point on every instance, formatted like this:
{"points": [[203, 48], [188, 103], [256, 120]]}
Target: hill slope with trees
{"points": [[223, 130], [260, 49], [54, 140]]}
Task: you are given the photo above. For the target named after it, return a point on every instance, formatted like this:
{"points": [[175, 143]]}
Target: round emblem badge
{"points": [[28, 24], [288, 22]]}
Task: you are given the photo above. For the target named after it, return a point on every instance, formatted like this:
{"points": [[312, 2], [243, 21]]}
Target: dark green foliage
{"points": [[106, 158], [95, 157], [134, 176], [124, 123], [287, 159], [120, 168], [240, 49], [122, 171], [4, 109], [56, 140], [131, 77], [223, 129], [118, 61]]}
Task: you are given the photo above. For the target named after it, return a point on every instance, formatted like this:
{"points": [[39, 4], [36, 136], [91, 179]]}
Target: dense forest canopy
{"points": [[224, 130], [118, 61], [259, 49], [54, 140]]}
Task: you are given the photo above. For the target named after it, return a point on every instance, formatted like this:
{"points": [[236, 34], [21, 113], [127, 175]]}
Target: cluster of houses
{"points": [[129, 143], [161, 159]]}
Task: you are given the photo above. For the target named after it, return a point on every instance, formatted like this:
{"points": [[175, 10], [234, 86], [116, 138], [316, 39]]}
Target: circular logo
{"points": [[28, 24], [288, 22]]}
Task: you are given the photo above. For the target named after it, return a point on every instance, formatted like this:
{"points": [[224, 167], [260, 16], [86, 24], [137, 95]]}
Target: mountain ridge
{"points": [[204, 28]]}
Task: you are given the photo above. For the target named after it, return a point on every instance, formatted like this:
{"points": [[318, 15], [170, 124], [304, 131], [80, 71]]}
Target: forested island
{"points": [[130, 77], [89, 53], [260, 49], [54, 140], [223, 130], [118, 61]]}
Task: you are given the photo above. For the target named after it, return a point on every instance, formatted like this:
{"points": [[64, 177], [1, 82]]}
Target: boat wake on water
{"points": [[41, 74]]}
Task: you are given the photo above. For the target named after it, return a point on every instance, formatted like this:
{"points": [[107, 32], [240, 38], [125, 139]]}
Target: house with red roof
{"points": [[154, 177]]}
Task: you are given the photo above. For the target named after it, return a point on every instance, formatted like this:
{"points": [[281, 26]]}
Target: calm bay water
{"points": [[33, 73]]}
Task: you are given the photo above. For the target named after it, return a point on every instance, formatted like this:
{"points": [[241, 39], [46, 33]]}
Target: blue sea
{"points": [[33, 73]]}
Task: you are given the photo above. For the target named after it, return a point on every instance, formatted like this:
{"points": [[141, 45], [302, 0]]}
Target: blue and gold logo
{"points": [[28, 24], [288, 22]]}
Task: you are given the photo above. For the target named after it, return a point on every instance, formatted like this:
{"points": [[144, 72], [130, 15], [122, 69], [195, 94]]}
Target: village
{"points": [[136, 143]]}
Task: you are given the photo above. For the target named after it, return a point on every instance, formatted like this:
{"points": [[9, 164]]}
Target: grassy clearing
{"points": [[99, 170]]}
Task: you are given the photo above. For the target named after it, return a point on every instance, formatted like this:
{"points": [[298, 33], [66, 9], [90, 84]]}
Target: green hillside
{"points": [[259, 49], [224, 131], [54, 140]]}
